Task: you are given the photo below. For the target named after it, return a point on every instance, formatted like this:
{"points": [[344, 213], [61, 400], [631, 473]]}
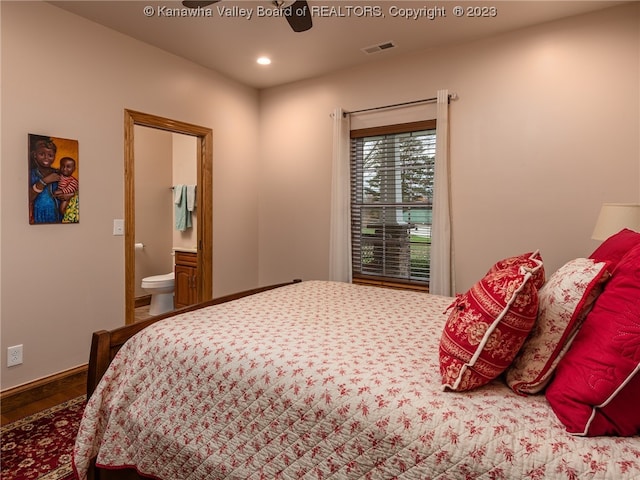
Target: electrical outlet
{"points": [[14, 355]]}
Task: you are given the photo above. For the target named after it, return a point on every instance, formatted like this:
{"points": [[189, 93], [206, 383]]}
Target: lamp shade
{"points": [[614, 217]]}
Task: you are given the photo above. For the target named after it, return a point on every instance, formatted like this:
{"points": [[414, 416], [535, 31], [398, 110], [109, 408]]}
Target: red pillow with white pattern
{"points": [[564, 302], [531, 260], [487, 327], [597, 384]]}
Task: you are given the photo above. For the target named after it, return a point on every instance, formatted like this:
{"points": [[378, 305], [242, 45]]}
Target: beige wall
{"points": [[546, 128], [185, 172], [162, 160], [68, 77], [153, 154]]}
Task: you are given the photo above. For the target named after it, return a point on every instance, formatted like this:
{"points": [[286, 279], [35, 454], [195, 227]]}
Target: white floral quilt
{"points": [[322, 380]]}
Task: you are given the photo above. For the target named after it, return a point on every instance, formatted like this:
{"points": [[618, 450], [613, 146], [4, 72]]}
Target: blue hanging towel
{"points": [[183, 215], [191, 198]]}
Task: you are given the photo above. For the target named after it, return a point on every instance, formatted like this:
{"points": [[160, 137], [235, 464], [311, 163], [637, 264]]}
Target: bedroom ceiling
{"points": [[224, 40]]}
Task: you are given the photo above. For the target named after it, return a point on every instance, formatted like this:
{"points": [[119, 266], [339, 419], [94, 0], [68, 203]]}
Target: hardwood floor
{"points": [[26, 404], [142, 313], [22, 404]]}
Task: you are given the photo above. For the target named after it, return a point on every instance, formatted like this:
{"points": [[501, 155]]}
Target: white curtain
{"points": [[442, 272], [442, 278], [340, 230]]}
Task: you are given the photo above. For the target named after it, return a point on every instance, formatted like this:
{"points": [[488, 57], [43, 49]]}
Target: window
{"points": [[391, 202]]}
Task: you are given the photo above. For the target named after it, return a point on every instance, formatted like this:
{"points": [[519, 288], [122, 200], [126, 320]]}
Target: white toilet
{"points": [[161, 289]]}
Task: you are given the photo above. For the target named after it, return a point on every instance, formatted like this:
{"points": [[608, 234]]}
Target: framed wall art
{"points": [[54, 185]]}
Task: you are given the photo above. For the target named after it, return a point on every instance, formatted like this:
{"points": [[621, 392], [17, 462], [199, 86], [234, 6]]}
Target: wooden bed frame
{"points": [[105, 344]]}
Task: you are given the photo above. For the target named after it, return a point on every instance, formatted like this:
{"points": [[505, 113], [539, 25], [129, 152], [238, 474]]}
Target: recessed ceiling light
{"points": [[264, 61]]}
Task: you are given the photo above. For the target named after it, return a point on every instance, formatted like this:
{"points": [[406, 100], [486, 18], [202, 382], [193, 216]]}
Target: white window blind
{"points": [[392, 171]]}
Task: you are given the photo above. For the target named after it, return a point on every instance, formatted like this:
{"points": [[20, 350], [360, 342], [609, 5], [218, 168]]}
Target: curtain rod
{"points": [[452, 96]]}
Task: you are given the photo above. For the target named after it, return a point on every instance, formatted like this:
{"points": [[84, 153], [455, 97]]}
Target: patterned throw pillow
{"points": [[531, 260], [564, 302], [487, 326], [596, 387]]}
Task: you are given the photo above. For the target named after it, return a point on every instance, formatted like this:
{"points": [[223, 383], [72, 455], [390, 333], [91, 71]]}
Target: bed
{"points": [[317, 380]]}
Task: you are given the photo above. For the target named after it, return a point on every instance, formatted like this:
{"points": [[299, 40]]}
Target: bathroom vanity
{"points": [[186, 278]]}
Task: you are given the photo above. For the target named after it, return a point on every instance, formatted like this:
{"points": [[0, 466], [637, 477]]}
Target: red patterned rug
{"points": [[39, 447]]}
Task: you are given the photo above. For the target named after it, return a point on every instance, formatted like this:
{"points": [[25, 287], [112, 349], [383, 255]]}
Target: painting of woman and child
{"points": [[53, 180]]}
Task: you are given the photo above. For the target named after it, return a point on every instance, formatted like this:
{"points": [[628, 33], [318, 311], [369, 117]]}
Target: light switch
{"points": [[118, 226]]}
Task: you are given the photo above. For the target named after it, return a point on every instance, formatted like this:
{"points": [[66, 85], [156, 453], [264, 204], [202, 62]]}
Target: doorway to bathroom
{"points": [[152, 207]]}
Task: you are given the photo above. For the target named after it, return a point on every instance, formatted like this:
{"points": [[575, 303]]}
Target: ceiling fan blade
{"points": [[299, 16], [198, 4]]}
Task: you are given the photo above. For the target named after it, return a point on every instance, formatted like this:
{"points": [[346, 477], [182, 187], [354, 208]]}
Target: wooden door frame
{"points": [[204, 201]]}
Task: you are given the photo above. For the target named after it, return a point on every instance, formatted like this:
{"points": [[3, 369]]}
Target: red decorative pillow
{"points": [[616, 246], [596, 388], [564, 302], [531, 260], [487, 327]]}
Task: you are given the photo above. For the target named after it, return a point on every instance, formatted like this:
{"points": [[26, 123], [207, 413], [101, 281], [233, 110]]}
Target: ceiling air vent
{"points": [[379, 48]]}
